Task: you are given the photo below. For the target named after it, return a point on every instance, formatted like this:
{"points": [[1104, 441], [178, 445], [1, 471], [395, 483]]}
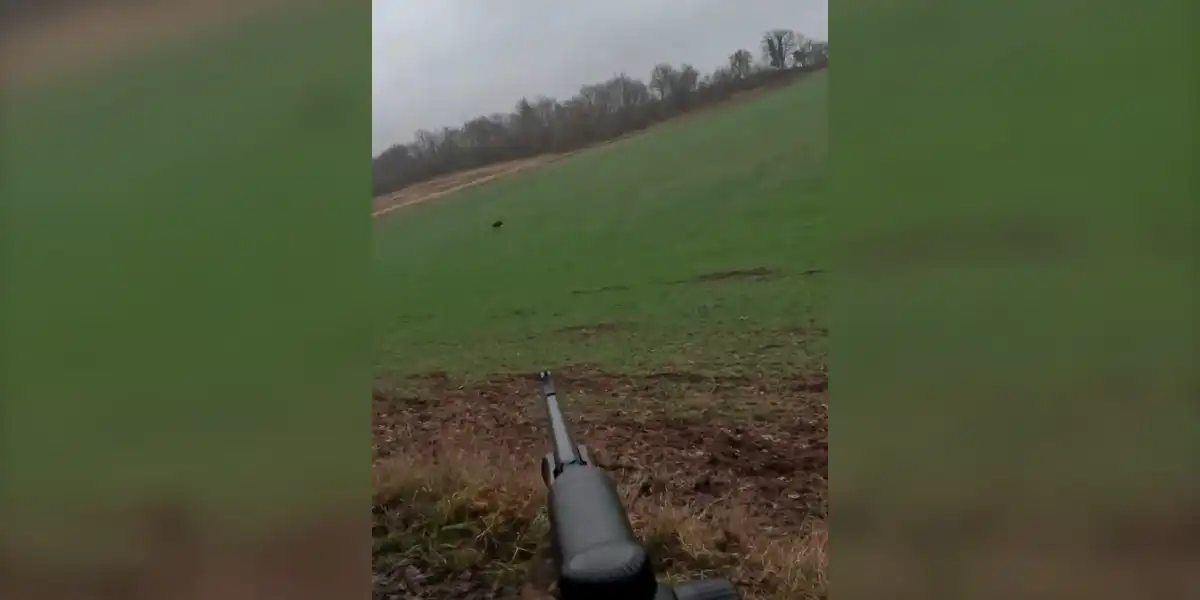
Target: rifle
{"points": [[596, 554]]}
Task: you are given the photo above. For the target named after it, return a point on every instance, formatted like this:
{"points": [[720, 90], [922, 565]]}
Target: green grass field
{"points": [[698, 246], [676, 281]]}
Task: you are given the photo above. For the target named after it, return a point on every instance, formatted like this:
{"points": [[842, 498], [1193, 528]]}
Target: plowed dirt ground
{"points": [[760, 475]]}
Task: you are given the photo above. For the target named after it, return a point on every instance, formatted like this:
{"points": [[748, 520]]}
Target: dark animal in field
{"points": [[497, 224]]}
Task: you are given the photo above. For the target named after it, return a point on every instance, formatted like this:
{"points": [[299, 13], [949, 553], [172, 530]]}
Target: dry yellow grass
{"points": [[444, 512]]}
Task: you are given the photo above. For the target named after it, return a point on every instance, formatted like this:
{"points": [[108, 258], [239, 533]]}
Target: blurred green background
{"points": [[1014, 335], [185, 238]]}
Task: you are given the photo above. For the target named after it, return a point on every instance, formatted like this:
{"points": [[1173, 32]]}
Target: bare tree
{"points": [[689, 77], [809, 54], [721, 78], [741, 64], [598, 112], [815, 54], [777, 46], [426, 142], [662, 80], [684, 85]]}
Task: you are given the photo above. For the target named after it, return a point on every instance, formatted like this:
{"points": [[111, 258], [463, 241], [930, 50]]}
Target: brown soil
{"points": [[592, 330], [459, 508], [774, 467], [321, 559], [757, 274], [601, 290]]}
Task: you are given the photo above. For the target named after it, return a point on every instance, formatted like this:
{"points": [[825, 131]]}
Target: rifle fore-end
{"points": [[596, 553], [595, 549]]}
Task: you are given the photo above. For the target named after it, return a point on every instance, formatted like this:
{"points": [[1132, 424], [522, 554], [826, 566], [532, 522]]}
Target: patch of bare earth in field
{"points": [[179, 558], [39, 47], [459, 502]]}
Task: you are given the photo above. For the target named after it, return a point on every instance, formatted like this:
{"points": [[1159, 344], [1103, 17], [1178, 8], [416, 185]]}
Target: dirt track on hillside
{"points": [[456, 182]]}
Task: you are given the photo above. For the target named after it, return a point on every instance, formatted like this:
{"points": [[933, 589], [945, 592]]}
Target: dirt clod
{"points": [[592, 330], [756, 274], [601, 290]]}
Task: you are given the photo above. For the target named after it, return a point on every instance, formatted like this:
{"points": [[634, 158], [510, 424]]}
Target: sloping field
{"points": [[675, 282], [449, 184], [443, 186]]}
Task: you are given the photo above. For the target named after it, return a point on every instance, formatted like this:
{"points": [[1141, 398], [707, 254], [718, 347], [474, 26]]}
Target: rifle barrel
{"points": [[565, 451]]}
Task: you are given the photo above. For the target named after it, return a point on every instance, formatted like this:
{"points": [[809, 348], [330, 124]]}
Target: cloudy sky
{"points": [[442, 62]]}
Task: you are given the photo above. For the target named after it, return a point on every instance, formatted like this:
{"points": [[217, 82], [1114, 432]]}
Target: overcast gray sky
{"points": [[439, 63]]}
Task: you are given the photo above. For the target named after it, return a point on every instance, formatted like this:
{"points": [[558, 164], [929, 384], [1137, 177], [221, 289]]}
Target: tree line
{"points": [[599, 112]]}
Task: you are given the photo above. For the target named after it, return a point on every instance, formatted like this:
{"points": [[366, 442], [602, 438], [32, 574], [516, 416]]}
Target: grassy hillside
{"points": [[675, 282], [700, 242]]}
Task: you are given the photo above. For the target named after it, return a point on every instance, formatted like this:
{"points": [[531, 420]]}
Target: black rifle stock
{"points": [[596, 554]]}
